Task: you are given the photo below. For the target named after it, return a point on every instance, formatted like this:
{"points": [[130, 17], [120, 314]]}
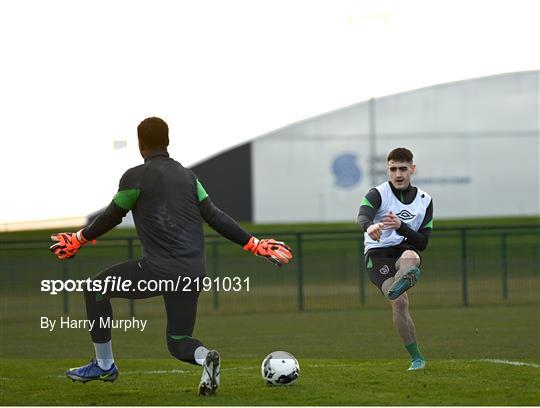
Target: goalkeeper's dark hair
{"points": [[153, 132], [400, 155]]}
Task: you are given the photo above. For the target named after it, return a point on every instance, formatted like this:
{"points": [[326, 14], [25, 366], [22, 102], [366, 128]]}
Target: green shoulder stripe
{"points": [[126, 199], [365, 201], [429, 225], [201, 192]]}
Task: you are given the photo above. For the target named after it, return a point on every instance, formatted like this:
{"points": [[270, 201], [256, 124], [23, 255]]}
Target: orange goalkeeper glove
{"points": [[275, 251], [68, 244]]}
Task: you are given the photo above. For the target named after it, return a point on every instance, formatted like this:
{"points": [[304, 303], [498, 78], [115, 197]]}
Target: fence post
{"points": [[65, 294], [504, 265], [130, 256], [361, 271], [299, 273], [215, 272], [464, 287]]}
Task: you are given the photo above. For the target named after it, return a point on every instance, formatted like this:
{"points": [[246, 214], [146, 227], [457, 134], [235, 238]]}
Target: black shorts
{"points": [[381, 262]]}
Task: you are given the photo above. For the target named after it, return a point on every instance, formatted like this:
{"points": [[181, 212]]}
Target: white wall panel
{"points": [[295, 181], [476, 144]]}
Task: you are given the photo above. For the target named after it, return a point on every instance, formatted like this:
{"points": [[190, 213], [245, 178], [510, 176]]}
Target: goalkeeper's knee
{"points": [[183, 347]]}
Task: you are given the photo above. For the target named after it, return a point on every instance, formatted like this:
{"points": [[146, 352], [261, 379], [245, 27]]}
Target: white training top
{"points": [[412, 214]]}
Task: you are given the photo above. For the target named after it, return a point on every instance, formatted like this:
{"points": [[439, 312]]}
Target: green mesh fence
{"points": [[461, 267]]}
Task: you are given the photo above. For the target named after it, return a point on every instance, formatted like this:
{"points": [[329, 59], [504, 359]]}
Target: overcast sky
{"points": [[75, 76]]}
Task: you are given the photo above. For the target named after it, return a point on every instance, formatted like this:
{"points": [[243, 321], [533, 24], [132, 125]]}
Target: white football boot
{"points": [[211, 374]]}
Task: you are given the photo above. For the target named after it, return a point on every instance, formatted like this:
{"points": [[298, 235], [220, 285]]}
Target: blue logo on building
{"points": [[346, 171]]}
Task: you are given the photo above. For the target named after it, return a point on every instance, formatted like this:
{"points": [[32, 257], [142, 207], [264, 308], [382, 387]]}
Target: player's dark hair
{"points": [[400, 155], [153, 132]]}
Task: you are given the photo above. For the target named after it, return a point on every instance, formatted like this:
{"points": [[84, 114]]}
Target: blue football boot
{"points": [[417, 364], [407, 281], [92, 371]]}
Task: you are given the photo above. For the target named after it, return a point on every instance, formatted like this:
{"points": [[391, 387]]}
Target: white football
{"points": [[280, 368]]}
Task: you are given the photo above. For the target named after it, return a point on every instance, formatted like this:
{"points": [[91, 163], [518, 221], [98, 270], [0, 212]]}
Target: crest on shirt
{"points": [[405, 215]]}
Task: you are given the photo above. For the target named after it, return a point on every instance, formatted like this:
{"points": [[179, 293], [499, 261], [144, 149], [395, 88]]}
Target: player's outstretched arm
{"points": [[274, 251], [68, 243], [106, 221]]}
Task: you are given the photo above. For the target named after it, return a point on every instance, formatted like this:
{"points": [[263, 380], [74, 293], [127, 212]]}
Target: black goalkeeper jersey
{"points": [[169, 205]]}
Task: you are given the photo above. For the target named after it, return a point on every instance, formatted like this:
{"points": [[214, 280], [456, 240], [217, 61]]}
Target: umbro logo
{"points": [[405, 215]]}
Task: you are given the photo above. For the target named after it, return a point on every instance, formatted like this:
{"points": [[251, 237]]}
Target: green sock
{"points": [[414, 351]]}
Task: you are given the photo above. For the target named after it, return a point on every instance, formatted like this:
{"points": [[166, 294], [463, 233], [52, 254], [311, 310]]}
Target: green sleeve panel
{"points": [[429, 225], [126, 199], [365, 201], [201, 192]]}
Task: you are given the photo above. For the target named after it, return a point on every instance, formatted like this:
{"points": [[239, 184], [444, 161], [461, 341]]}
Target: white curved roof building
{"points": [[476, 145]]}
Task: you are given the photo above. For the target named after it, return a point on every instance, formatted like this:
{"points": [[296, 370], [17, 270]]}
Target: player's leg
{"points": [[181, 315], [99, 313], [405, 327], [401, 316], [408, 260], [400, 309], [408, 273]]}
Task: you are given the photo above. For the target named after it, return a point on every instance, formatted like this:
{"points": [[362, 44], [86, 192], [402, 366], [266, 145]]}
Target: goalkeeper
{"points": [[397, 219], [169, 205]]}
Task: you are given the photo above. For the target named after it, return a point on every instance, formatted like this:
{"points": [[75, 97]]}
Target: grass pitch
{"points": [[322, 382], [350, 357], [350, 354]]}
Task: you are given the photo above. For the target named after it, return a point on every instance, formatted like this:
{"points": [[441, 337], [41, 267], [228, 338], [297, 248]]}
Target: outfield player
{"points": [[397, 219], [169, 205]]}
